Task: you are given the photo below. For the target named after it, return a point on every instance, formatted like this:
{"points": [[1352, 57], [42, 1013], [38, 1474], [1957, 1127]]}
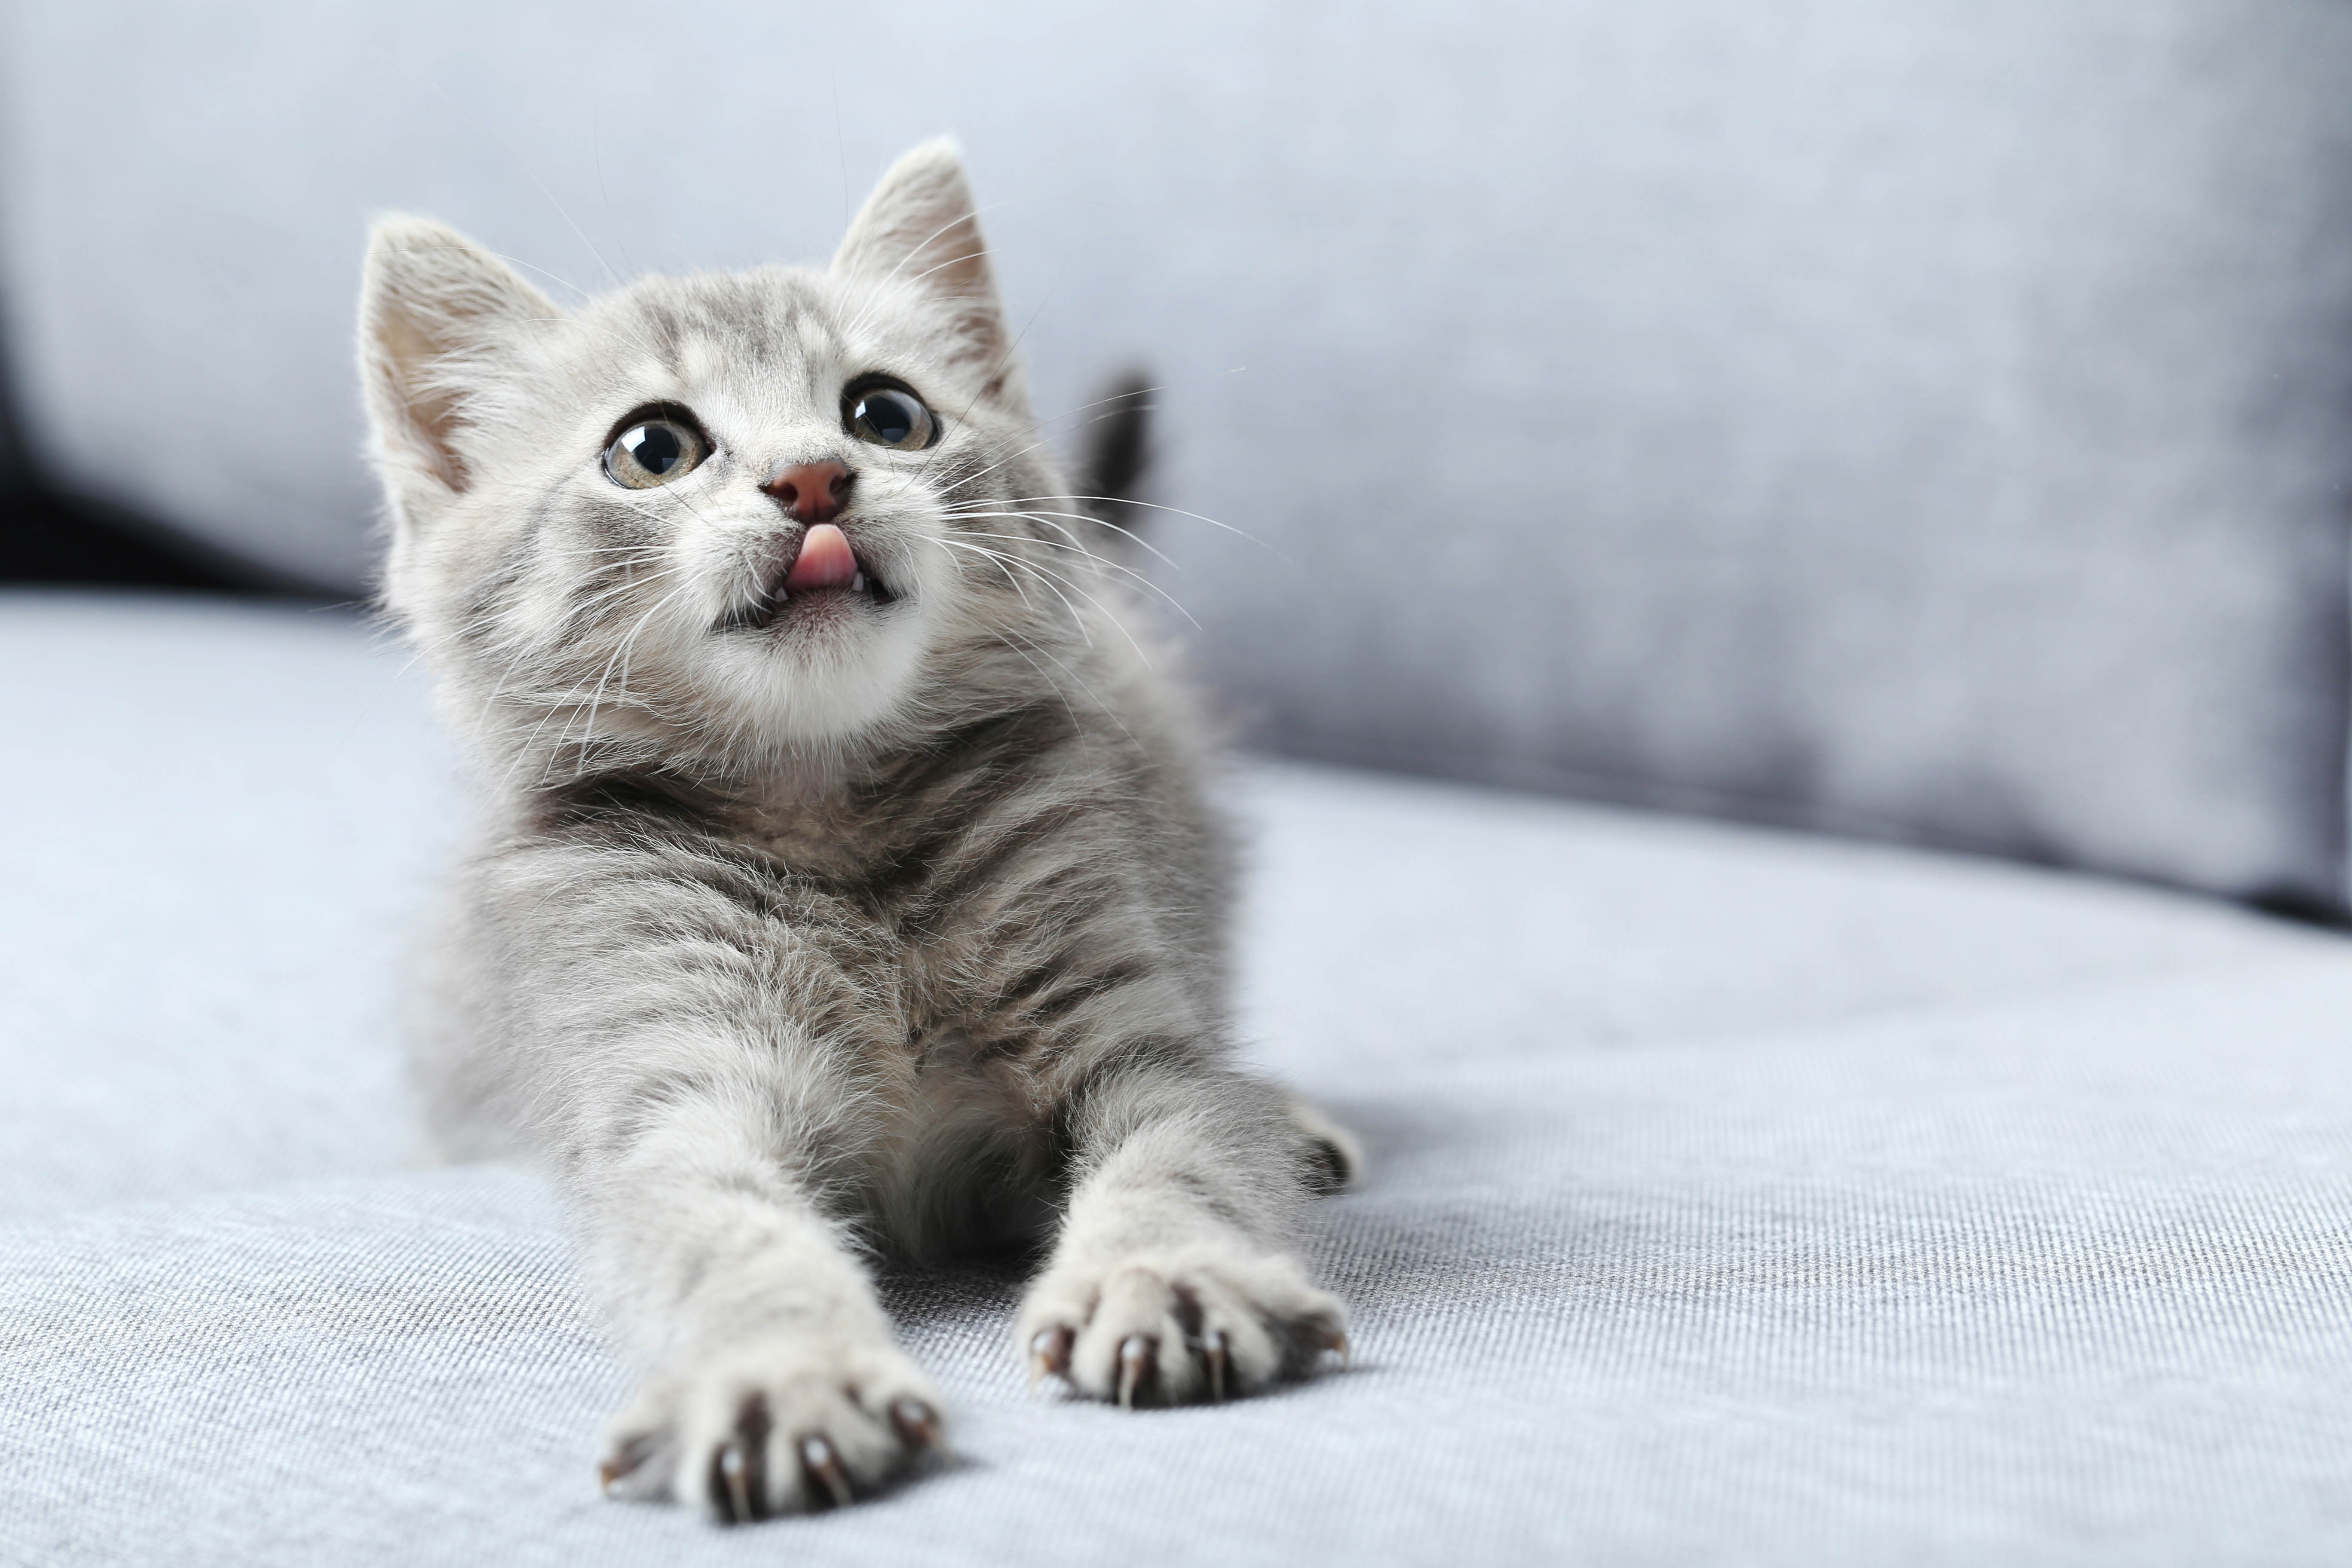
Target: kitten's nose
{"points": [[812, 492]]}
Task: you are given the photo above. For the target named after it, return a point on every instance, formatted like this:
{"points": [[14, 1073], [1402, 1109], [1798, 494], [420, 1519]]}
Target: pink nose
{"points": [[811, 492]]}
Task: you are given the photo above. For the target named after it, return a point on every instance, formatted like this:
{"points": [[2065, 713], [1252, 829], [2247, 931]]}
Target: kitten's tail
{"points": [[1116, 459]]}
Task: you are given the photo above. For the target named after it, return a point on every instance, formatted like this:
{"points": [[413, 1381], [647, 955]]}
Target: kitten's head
{"points": [[720, 517]]}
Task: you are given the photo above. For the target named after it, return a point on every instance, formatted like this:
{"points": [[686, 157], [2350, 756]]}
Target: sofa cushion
{"points": [[2061, 1280], [1923, 420], [222, 824], [1733, 1196]]}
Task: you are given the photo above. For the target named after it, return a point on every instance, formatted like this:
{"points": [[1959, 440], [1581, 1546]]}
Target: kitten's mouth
{"points": [[824, 572]]}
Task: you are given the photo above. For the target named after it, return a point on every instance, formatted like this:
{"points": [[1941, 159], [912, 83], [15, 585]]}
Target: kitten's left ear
{"points": [[919, 226]]}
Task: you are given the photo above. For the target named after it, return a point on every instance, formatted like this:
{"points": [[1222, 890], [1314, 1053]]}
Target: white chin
{"points": [[817, 685]]}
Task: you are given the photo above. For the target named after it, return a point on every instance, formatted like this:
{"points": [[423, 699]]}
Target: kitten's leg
{"points": [[698, 1052], [775, 1384], [1176, 1276]]}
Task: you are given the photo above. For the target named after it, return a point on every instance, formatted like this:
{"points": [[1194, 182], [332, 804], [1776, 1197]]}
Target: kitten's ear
{"points": [[919, 226], [434, 309]]}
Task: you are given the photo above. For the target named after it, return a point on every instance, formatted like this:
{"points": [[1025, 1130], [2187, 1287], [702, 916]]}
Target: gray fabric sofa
{"points": [[1735, 1196], [1927, 422]]}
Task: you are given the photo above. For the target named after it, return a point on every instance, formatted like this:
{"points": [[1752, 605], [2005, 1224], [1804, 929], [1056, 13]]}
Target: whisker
{"points": [[1097, 560], [569, 701], [1050, 579], [1060, 695], [1108, 712], [983, 473], [1076, 516], [1155, 506], [621, 697], [1002, 567]]}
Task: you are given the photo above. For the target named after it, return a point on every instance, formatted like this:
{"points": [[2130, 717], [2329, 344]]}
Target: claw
{"points": [[918, 1425], [752, 1425], [623, 1461], [1215, 1354], [733, 1492], [1134, 1367], [1049, 1353], [817, 1456], [1339, 1343]]}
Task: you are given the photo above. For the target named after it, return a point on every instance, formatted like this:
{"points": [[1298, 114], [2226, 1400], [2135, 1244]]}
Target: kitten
{"points": [[848, 883]]}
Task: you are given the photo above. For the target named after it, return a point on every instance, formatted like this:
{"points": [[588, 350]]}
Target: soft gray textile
{"points": [[1923, 418], [2060, 1282], [1735, 1197], [219, 827]]}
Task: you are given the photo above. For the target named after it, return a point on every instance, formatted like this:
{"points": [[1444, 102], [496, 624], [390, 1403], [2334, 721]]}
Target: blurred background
{"points": [[1928, 420]]}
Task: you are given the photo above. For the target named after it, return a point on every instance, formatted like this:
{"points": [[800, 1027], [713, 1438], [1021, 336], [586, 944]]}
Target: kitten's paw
{"points": [[784, 1425], [1177, 1326]]}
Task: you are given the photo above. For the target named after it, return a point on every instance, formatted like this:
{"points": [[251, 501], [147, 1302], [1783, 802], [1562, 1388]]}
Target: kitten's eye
{"points": [[652, 453], [891, 416]]}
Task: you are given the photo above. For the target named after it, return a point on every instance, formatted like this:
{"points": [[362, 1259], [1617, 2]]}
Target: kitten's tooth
{"points": [[858, 583]]}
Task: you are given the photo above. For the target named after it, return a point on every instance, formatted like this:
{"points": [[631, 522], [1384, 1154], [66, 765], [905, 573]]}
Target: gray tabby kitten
{"points": [[848, 884]]}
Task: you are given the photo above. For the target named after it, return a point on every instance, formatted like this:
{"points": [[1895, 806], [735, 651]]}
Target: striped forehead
{"points": [[747, 336]]}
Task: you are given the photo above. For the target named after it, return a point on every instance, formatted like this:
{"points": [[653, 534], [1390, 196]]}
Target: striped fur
{"points": [[893, 924]]}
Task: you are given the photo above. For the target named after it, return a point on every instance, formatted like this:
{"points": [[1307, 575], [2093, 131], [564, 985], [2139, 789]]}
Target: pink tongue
{"points": [[825, 560]]}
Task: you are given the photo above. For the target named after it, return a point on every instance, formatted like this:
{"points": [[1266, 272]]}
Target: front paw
{"points": [[785, 1425], [1176, 1325]]}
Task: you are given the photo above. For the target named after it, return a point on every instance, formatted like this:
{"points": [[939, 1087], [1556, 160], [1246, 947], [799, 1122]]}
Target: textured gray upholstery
{"points": [[1735, 1196], [221, 827], [1925, 418], [2056, 1282]]}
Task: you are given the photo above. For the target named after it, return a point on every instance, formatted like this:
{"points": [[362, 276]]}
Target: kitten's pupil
{"points": [[889, 416], [655, 448]]}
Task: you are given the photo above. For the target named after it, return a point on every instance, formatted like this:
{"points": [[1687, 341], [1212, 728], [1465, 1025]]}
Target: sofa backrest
{"points": [[1928, 418]]}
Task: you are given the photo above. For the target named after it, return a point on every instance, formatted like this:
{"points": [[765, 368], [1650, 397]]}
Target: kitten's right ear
{"points": [[920, 226], [435, 310]]}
